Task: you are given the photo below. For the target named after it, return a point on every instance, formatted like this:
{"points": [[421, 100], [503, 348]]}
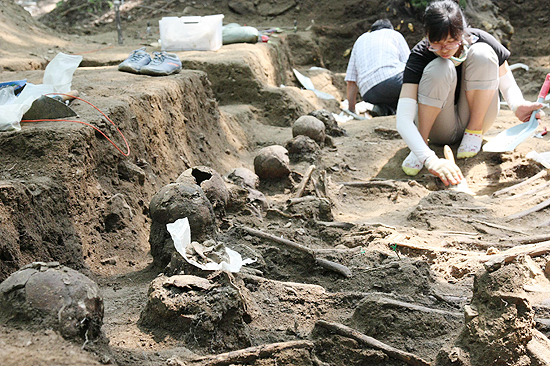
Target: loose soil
{"points": [[418, 251]]}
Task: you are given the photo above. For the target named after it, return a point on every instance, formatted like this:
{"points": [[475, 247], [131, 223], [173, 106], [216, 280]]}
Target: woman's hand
{"points": [[524, 111], [446, 170]]}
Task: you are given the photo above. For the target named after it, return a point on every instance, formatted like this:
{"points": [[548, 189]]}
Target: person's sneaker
{"points": [[411, 165], [162, 64], [134, 62], [381, 111]]}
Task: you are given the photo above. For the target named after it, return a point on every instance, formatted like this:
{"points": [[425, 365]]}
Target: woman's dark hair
{"points": [[381, 24], [443, 18]]}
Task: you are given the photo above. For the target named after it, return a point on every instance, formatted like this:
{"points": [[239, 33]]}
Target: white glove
{"points": [[446, 170]]}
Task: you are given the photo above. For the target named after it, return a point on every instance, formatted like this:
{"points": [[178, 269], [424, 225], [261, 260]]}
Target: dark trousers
{"points": [[385, 94]]}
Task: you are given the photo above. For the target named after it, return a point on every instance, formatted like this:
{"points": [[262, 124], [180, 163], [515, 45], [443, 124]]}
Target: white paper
{"points": [[181, 236]]}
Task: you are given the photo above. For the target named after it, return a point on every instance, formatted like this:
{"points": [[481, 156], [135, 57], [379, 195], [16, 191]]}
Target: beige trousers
{"points": [[437, 89]]}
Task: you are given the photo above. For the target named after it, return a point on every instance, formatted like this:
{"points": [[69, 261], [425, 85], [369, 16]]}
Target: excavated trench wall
{"points": [[68, 195]]}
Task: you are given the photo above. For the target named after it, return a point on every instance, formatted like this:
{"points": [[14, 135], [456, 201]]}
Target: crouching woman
{"points": [[450, 91]]}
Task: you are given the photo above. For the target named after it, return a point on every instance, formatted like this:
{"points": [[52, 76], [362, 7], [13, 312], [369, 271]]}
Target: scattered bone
{"points": [[251, 354], [293, 201], [532, 192], [494, 225], [332, 266], [419, 329], [341, 225], [188, 282], [494, 262], [373, 183], [540, 174], [395, 353], [304, 182], [530, 239], [538, 207], [244, 177], [435, 249]]}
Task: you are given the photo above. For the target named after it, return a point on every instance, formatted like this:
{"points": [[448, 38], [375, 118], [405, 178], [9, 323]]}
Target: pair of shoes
{"points": [[411, 165], [470, 144], [162, 63]]}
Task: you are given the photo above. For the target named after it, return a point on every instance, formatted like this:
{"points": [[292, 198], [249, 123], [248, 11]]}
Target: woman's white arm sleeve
{"points": [[406, 112], [510, 90]]}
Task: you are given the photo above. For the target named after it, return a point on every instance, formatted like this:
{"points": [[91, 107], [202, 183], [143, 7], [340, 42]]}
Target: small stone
{"points": [[469, 313]]}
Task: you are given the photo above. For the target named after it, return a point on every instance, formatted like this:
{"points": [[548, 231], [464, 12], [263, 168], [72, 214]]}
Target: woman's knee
{"points": [[438, 83], [440, 70], [481, 67], [482, 53]]}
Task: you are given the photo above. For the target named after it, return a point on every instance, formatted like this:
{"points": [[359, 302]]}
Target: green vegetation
{"points": [[90, 6], [421, 4]]}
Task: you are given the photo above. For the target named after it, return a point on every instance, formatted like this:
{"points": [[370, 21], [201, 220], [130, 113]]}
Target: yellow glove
{"points": [[446, 170]]}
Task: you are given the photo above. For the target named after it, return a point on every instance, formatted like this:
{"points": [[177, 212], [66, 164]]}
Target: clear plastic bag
{"points": [[60, 70], [57, 79]]}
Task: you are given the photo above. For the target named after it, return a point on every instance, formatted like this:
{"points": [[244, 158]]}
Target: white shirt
{"points": [[377, 56]]}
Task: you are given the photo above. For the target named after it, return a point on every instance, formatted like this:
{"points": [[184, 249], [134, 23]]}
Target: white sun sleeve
{"points": [[510, 90], [405, 115]]}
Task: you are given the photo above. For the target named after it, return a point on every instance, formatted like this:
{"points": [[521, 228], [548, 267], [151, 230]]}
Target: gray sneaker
{"points": [[136, 60], [163, 64]]}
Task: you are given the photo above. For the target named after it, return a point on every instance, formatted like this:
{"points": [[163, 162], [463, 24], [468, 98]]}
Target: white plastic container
{"points": [[191, 33]]}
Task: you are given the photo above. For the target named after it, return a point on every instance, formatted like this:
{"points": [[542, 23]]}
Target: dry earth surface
{"points": [[442, 276]]}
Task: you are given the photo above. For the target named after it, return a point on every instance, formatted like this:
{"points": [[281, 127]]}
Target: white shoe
{"points": [[411, 165]]}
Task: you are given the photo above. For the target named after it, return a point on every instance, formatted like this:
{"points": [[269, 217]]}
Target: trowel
{"points": [[509, 139], [51, 107], [463, 185], [308, 84]]}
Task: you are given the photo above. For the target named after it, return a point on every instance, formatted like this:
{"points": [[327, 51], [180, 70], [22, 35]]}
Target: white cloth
{"points": [[375, 57]]}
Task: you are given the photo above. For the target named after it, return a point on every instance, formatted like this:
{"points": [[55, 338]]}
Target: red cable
{"points": [[87, 124]]}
